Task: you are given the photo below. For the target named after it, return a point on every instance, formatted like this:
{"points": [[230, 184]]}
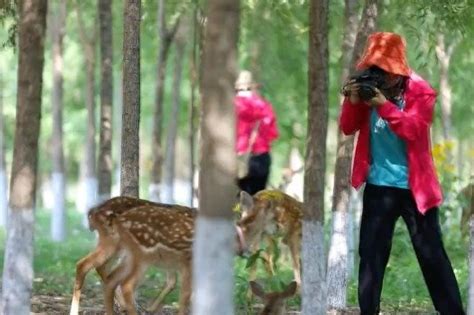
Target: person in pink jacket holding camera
{"points": [[391, 108]]}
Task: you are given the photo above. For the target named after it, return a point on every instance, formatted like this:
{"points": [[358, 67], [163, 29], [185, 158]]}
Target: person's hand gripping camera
{"points": [[356, 93]]}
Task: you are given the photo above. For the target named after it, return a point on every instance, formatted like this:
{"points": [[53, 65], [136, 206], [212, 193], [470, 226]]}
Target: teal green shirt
{"points": [[389, 166]]}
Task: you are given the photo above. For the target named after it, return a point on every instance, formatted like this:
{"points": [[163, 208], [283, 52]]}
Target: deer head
{"points": [[256, 218], [274, 302]]}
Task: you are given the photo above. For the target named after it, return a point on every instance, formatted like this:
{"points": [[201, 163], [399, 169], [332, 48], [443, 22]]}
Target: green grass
{"points": [[404, 286]]}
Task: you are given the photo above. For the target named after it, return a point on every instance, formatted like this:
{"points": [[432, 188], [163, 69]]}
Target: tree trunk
{"points": [[166, 38], [129, 176], [313, 252], [117, 141], [88, 196], [58, 28], [172, 130], [444, 54], [341, 216], [18, 264], [106, 97], [3, 169], [192, 106], [213, 256]]}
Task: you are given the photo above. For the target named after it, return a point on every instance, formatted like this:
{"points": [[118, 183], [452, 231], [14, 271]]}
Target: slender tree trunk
{"points": [[88, 196], [117, 141], [166, 38], [58, 218], [313, 252], [341, 215], [192, 107], [106, 97], [172, 130], [444, 53], [213, 256], [18, 264], [129, 177], [3, 169]]}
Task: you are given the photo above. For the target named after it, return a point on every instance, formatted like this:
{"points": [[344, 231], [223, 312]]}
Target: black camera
{"points": [[368, 80]]}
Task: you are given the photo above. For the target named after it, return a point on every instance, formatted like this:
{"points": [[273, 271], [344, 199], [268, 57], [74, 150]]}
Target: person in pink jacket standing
{"points": [[391, 107], [256, 130]]}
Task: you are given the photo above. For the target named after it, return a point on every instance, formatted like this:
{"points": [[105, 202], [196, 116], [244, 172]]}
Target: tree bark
{"points": [[444, 53], [88, 198], [58, 29], [313, 252], [338, 252], [3, 168], [172, 130], [129, 177], [166, 38], [18, 264], [213, 256], [195, 52], [106, 98]]}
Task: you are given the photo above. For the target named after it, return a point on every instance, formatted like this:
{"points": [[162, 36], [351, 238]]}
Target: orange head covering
{"points": [[386, 51]]}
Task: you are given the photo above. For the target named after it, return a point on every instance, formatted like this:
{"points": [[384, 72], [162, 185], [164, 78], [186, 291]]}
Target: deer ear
{"points": [[246, 203], [290, 289], [257, 289]]}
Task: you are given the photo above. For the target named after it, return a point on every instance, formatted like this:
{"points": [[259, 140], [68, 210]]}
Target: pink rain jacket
{"points": [[412, 124], [252, 108]]}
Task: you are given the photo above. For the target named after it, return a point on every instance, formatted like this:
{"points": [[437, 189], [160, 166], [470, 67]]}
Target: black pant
{"points": [[257, 176], [382, 206]]}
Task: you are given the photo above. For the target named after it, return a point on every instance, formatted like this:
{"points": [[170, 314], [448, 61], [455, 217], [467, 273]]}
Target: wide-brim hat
{"points": [[386, 51], [245, 81]]}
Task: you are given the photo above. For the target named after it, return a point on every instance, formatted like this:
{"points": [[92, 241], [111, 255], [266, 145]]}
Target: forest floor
{"points": [[59, 305], [54, 264]]}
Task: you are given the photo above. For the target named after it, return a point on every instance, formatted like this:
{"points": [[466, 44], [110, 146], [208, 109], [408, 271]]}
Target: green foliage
{"points": [[9, 21]]}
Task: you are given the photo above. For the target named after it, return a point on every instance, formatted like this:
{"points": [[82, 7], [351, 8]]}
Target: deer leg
{"points": [[294, 244], [113, 280], [103, 272], [268, 255], [168, 287], [95, 259], [128, 288], [186, 290]]}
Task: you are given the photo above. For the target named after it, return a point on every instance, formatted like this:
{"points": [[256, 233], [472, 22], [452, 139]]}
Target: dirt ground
{"points": [[59, 305]]}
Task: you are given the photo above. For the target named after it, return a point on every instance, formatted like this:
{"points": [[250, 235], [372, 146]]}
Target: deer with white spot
{"points": [[108, 245], [269, 215], [154, 235], [274, 302]]}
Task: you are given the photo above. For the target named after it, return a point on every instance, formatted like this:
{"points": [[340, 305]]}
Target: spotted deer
{"points": [[153, 235], [108, 245], [274, 302], [266, 216]]}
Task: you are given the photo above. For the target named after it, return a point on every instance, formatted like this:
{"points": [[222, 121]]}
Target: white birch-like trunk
{"points": [[89, 189], [170, 154], [18, 261], [58, 215], [3, 172], [351, 232], [154, 190], [3, 198], [215, 284], [314, 269], [337, 261]]}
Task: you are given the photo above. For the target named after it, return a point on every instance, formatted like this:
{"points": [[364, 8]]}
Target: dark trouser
{"points": [[382, 206], [257, 176]]}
